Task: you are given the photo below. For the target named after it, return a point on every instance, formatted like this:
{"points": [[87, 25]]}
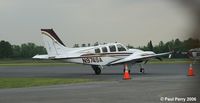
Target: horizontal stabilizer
{"points": [[41, 57]]}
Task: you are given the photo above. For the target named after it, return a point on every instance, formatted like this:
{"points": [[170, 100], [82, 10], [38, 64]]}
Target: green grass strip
{"points": [[30, 82]]}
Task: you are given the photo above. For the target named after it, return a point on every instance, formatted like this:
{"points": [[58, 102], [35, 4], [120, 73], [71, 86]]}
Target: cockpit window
{"points": [[120, 48], [112, 48], [104, 49], [97, 50]]}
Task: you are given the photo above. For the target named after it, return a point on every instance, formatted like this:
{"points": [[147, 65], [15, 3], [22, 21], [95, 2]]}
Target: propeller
{"points": [[170, 55]]}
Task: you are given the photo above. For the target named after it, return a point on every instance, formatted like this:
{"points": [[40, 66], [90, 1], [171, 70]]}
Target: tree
{"points": [[150, 46], [25, 51], [191, 43], [169, 45], [40, 50], [30, 49], [16, 51], [5, 49], [161, 46]]}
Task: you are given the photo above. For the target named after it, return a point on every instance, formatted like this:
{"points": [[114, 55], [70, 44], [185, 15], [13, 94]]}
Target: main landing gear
{"points": [[141, 69], [97, 69]]}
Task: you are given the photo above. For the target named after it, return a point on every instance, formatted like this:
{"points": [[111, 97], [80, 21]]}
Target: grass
{"points": [[30, 82]]}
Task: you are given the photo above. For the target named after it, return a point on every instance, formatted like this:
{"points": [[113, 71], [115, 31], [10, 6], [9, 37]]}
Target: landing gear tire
{"points": [[141, 70], [96, 69]]}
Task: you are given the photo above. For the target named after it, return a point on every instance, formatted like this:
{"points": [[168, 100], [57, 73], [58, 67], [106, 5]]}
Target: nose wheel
{"points": [[141, 69]]}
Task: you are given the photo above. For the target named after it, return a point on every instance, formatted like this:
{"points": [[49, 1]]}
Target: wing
{"points": [[138, 57]]}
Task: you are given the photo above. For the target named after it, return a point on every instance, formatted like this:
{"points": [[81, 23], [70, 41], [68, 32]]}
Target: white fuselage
{"points": [[107, 54], [102, 54], [194, 53]]}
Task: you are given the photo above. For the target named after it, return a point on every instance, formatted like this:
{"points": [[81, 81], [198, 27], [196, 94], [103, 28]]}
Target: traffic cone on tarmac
{"points": [[126, 73], [190, 71]]}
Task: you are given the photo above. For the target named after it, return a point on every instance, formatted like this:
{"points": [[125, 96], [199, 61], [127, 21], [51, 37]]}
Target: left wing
{"points": [[139, 57], [41, 57]]}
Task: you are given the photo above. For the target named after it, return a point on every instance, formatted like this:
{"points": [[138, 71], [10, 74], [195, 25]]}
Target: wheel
{"points": [[141, 70], [96, 69]]}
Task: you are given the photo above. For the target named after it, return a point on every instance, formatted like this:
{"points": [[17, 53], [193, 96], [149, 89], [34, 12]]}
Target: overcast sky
{"points": [[132, 22]]}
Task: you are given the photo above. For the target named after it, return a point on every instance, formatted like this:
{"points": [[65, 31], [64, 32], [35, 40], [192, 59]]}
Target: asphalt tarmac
{"points": [[161, 83]]}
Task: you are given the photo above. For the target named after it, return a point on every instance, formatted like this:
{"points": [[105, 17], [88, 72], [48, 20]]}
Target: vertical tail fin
{"points": [[52, 43]]}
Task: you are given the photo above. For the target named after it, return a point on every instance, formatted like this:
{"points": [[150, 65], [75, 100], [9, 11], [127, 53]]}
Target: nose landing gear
{"points": [[141, 69]]}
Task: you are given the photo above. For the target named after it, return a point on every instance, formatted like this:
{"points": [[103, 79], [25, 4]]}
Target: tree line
{"points": [[174, 45], [28, 50]]}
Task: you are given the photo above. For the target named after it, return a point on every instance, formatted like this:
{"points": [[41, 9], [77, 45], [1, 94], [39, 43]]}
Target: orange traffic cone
{"points": [[126, 73], [190, 71]]}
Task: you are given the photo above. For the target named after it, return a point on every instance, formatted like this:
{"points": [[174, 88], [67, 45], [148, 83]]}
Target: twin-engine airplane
{"points": [[193, 54], [96, 56]]}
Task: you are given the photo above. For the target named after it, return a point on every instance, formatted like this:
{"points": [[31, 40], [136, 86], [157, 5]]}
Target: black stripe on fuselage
{"points": [[103, 54], [97, 55]]}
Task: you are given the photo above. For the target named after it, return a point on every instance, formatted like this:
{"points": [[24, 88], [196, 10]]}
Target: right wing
{"points": [[140, 57]]}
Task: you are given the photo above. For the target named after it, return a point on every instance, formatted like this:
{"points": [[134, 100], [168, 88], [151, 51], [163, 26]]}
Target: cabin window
{"points": [[120, 48], [112, 48], [97, 50], [104, 49]]}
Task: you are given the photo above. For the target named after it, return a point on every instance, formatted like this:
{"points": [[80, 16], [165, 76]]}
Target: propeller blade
{"points": [[170, 55]]}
